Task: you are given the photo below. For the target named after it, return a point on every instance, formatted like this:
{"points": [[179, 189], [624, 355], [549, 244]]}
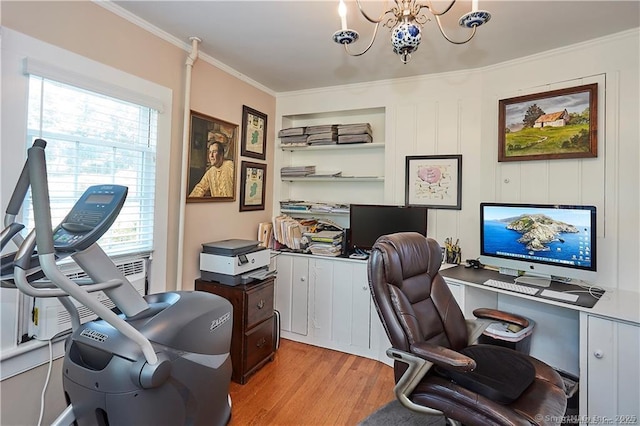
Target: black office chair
{"points": [[437, 366]]}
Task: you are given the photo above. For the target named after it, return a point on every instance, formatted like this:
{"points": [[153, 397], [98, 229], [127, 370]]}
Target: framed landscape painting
{"points": [[550, 125]]}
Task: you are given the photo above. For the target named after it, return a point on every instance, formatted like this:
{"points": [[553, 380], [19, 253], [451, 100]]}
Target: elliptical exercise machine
{"points": [[161, 359]]}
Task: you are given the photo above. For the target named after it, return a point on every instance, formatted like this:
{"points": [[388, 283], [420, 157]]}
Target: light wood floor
{"points": [[307, 385]]}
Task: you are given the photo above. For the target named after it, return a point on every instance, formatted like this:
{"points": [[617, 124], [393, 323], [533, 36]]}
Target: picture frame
{"points": [[253, 182], [207, 181], [254, 134], [434, 181], [557, 124]]}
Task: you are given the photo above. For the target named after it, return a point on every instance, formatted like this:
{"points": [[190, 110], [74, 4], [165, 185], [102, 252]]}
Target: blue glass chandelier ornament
{"points": [[406, 19]]}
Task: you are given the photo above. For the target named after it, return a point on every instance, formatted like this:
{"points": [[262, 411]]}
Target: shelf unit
{"points": [[362, 165]]}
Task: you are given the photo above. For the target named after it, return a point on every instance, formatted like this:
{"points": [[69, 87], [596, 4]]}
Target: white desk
{"points": [[600, 344]]}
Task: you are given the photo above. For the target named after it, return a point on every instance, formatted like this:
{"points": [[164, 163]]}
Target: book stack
{"points": [[297, 171], [322, 135], [293, 136], [295, 205], [325, 243], [354, 133]]}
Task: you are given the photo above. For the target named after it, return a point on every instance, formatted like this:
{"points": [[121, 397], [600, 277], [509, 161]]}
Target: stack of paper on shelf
{"points": [[325, 243], [355, 133], [297, 171], [295, 205], [291, 131], [296, 140], [321, 174], [329, 207], [322, 135], [288, 231]]}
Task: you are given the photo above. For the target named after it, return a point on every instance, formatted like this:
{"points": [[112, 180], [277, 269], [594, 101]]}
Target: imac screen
{"points": [[368, 222], [536, 234]]}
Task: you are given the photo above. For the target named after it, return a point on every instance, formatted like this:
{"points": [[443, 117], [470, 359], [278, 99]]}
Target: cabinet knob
{"points": [[261, 342], [598, 354], [365, 288], [261, 304], [303, 279]]}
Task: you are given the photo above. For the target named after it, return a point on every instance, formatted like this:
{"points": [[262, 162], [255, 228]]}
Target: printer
{"points": [[234, 261]]}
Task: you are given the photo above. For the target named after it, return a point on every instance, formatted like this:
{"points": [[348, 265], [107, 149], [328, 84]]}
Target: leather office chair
{"points": [[437, 368]]}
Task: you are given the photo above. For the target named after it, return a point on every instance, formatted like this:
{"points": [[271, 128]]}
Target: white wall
{"points": [[457, 113]]}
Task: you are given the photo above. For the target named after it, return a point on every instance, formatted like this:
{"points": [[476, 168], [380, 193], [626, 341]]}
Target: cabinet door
{"points": [[613, 364], [351, 305], [340, 304], [292, 293]]}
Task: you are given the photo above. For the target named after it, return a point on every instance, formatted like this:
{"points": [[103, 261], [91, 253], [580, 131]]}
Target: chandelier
{"points": [[406, 19]]}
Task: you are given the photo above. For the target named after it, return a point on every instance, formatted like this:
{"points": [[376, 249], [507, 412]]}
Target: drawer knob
{"points": [[261, 304], [261, 342]]}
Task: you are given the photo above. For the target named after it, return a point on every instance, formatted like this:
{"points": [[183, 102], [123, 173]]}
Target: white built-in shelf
{"points": [[334, 179], [332, 147]]}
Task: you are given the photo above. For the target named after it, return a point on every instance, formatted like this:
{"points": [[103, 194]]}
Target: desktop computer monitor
{"points": [[368, 222], [539, 240]]}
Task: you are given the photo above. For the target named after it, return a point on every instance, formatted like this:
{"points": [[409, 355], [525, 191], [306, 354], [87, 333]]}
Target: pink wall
{"points": [[96, 33]]}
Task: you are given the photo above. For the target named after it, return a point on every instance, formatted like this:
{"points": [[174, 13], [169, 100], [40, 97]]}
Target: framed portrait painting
{"points": [[252, 186], [212, 159], [254, 134], [550, 125], [434, 181]]}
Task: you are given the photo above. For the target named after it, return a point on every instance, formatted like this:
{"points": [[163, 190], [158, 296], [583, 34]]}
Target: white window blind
{"points": [[96, 139]]}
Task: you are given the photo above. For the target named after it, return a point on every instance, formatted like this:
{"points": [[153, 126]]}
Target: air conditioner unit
{"points": [[49, 318]]}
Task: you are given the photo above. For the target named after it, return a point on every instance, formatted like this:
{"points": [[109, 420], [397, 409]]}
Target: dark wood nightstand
{"points": [[252, 341]]}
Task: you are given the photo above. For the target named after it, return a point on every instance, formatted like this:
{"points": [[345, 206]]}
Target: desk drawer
{"points": [[259, 343], [259, 305]]}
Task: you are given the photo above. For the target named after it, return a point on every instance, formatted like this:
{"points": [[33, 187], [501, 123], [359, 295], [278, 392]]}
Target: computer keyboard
{"points": [[512, 287]]}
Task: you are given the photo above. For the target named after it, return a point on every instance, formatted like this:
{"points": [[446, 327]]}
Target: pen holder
{"points": [[453, 255]]}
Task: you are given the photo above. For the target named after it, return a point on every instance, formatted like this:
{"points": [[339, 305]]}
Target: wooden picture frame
{"points": [[207, 181], [434, 181], [551, 125], [254, 134], [253, 182]]}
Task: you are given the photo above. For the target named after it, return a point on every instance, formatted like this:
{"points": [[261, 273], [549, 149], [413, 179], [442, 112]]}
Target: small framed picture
{"points": [[252, 186], [434, 181], [212, 159], [254, 134], [550, 125]]}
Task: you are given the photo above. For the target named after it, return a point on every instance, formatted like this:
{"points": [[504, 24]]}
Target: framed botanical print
{"points": [[254, 133], [252, 186], [212, 159]]}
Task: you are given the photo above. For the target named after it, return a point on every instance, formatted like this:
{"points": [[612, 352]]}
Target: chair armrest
{"points": [[497, 315], [443, 357], [417, 367]]}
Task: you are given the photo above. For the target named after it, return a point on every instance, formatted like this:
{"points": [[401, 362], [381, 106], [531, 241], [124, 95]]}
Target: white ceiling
{"points": [[287, 45]]}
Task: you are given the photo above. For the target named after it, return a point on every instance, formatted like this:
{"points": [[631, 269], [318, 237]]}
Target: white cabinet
{"points": [[611, 364], [361, 165], [326, 302], [292, 293]]}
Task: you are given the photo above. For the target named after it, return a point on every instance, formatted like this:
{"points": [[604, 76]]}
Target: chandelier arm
{"points": [[372, 20], [435, 13], [473, 32], [373, 37]]}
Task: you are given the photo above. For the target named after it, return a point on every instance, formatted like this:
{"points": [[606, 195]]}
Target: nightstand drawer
{"points": [[259, 305], [259, 343]]}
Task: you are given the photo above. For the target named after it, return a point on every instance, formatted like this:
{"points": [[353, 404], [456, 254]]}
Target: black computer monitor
{"points": [[369, 221]]}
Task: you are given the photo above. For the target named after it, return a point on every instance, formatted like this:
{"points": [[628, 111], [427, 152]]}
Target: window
{"points": [[96, 139]]}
